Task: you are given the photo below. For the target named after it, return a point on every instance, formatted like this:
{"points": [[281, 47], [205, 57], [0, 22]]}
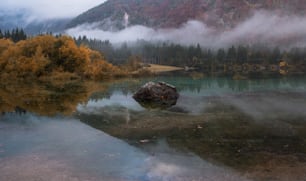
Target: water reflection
{"points": [[240, 124], [42, 148], [220, 129], [45, 99], [51, 99], [74, 147]]}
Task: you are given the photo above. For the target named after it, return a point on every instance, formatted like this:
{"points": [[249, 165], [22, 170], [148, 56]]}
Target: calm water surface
{"points": [[220, 129]]}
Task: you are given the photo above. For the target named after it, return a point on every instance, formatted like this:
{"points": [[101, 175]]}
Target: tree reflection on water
{"points": [[257, 127], [46, 98]]}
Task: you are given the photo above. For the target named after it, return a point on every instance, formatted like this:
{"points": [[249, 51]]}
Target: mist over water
{"points": [[266, 28], [220, 129]]}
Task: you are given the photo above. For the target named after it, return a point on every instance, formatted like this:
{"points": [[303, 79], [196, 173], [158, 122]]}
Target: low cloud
{"points": [[263, 27], [49, 9]]}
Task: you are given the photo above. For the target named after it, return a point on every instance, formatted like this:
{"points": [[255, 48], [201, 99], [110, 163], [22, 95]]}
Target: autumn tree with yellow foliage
{"points": [[46, 55]]}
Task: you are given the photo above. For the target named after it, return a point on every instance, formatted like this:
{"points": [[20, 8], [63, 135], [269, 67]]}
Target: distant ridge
{"points": [[173, 13]]}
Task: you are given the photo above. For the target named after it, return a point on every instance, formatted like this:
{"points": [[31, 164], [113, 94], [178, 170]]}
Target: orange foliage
{"points": [[99, 69], [42, 55], [74, 58], [4, 44]]}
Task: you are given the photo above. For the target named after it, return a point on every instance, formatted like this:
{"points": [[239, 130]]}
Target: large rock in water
{"points": [[156, 95]]}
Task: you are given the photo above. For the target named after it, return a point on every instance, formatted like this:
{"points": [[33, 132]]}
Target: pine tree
{"points": [[231, 54], [221, 55], [22, 35], [7, 34], [242, 54]]}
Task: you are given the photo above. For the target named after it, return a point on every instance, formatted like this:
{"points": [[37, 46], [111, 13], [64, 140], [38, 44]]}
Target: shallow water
{"points": [[220, 129]]}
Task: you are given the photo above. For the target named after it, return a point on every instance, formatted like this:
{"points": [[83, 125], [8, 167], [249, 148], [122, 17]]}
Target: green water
{"points": [[220, 129]]}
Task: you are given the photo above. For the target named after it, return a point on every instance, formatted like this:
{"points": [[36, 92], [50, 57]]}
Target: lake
{"points": [[220, 129]]}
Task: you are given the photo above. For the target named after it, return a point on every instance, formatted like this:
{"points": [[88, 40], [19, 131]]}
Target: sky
{"points": [[48, 9]]}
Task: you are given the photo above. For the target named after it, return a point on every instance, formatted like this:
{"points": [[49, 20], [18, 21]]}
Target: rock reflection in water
{"points": [[243, 128], [220, 129]]}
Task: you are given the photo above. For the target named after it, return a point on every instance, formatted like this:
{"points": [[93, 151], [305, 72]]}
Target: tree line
{"points": [[174, 54], [43, 55], [16, 34], [194, 55]]}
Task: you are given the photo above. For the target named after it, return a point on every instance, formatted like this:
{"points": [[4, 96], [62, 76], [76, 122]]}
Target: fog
{"points": [[263, 27], [48, 9]]}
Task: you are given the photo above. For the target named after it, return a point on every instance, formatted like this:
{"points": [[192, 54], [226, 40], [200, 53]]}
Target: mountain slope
{"points": [[173, 13]]}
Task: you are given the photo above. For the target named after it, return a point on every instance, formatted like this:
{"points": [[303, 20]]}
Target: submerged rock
{"points": [[156, 95]]}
